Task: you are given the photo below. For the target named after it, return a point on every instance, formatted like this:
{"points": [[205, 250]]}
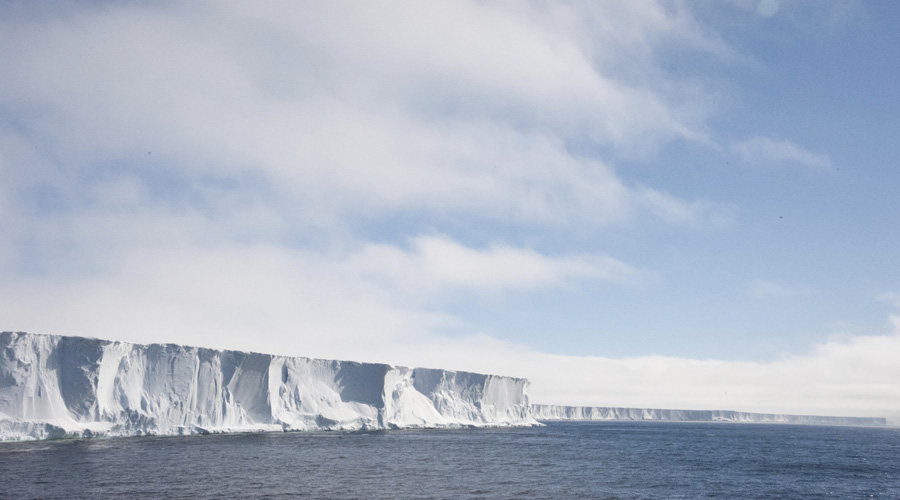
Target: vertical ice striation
{"points": [[53, 386]]}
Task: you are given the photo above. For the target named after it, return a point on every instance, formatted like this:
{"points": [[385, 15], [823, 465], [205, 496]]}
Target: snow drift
{"points": [[555, 412], [55, 386]]}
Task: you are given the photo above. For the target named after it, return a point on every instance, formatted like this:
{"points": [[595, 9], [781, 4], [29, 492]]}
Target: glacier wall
{"points": [[56, 386], [555, 412]]}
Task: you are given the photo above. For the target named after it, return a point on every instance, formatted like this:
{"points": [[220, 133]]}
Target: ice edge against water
{"points": [[59, 386], [600, 413]]}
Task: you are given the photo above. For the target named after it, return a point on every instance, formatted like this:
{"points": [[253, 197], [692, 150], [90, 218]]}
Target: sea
{"points": [[597, 460]]}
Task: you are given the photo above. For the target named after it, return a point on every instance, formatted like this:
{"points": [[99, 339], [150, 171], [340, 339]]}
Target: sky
{"points": [[652, 204]]}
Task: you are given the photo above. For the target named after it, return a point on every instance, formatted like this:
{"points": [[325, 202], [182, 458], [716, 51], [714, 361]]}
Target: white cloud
{"points": [[807, 17], [434, 263], [892, 298], [767, 8], [453, 107], [270, 297], [675, 211], [763, 150], [764, 289]]}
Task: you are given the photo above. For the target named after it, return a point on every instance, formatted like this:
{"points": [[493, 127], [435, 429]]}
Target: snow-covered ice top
{"points": [[56, 386]]}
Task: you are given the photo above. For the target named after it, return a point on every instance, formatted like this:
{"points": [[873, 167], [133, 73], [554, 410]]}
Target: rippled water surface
{"points": [[562, 460]]}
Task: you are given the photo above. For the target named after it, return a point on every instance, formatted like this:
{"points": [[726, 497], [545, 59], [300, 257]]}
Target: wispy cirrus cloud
{"points": [[763, 151], [432, 264], [765, 289], [892, 298]]}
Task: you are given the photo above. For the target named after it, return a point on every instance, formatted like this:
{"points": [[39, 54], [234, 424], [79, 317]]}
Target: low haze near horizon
{"points": [[653, 204]]}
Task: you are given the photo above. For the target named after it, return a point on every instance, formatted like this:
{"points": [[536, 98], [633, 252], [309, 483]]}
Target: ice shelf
{"points": [[58, 386], [555, 412]]}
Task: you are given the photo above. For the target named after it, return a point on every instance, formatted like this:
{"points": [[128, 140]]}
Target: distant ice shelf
{"points": [[58, 386], [555, 412]]}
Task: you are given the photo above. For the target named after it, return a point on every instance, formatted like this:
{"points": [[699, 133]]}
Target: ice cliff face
{"points": [[554, 412], [52, 386]]}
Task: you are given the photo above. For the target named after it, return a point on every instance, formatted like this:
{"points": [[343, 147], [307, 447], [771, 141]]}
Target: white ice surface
{"points": [[53, 386]]}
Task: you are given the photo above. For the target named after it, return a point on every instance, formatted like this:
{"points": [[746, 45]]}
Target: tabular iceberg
{"points": [[57, 386], [556, 412]]}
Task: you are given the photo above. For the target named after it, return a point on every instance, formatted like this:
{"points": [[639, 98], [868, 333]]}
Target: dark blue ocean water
{"points": [[612, 460]]}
